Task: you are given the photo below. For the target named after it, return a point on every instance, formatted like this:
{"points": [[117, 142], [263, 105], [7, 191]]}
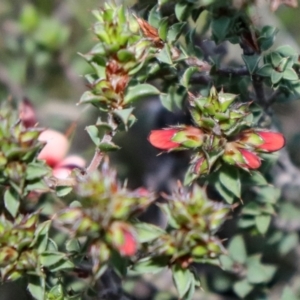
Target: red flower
{"points": [[252, 161], [162, 139], [272, 141]]}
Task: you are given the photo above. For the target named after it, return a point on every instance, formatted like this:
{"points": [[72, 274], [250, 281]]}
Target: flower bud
{"points": [[252, 161], [272, 141], [176, 138], [162, 139], [244, 158], [263, 140]]}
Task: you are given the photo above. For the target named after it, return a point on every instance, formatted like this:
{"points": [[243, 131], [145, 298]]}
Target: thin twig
{"points": [[98, 156], [242, 71]]}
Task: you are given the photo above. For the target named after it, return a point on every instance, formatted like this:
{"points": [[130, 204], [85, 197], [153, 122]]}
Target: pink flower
{"points": [[54, 152]]}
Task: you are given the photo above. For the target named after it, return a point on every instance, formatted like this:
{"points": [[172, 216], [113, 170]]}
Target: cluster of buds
{"points": [[19, 166], [222, 132], [194, 221], [121, 52], [104, 213], [17, 252]]}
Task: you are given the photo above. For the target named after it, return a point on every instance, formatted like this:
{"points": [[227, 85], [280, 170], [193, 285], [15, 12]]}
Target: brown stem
{"points": [[98, 156]]}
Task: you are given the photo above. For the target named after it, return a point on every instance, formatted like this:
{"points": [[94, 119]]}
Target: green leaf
{"points": [[37, 185], [286, 51], [166, 101], [150, 265], [108, 146], [242, 288], [226, 262], [175, 31], [62, 191], [267, 37], [62, 265], [237, 249], [36, 287], [224, 192], [257, 272], [229, 178], [288, 294], [276, 77], [183, 279], [36, 170], [125, 55], [251, 62], [147, 232], [262, 223], [90, 97], [93, 132], [49, 258], [41, 236], [220, 28], [185, 79], [288, 243], [73, 245], [154, 16], [164, 55], [140, 91], [182, 10], [119, 263], [266, 70], [163, 28], [290, 74], [12, 201], [124, 115]]}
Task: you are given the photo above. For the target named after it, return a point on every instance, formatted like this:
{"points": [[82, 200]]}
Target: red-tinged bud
{"points": [[122, 237], [262, 140], [201, 166], [173, 138], [27, 113], [244, 158], [162, 139], [129, 246], [189, 137], [252, 161], [272, 141]]}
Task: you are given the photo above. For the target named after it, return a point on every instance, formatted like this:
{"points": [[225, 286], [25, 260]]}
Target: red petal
{"points": [[273, 141], [161, 139], [252, 160], [129, 247]]}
